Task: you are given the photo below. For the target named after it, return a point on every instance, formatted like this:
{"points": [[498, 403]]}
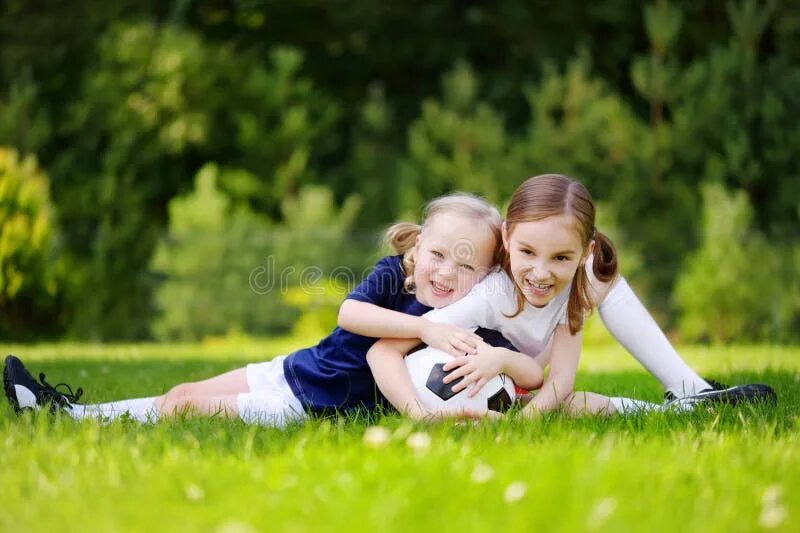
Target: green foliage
{"points": [[30, 269], [123, 103], [319, 308], [734, 287], [156, 98], [458, 143], [207, 259], [226, 269]]}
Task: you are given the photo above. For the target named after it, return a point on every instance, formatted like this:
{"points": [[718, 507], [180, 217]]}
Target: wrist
{"points": [[422, 325]]}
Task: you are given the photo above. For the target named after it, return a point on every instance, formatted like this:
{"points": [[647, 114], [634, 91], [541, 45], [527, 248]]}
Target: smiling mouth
{"points": [[538, 289], [440, 290]]}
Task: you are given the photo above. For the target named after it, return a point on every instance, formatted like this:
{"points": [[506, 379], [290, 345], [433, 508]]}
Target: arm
{"points": [[566, 351], [491, 361], [372, 320], [385, 360]]}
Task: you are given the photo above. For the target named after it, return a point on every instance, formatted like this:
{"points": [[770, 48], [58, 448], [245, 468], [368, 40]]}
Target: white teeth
{"points": [[538, 286], [439, 287]]}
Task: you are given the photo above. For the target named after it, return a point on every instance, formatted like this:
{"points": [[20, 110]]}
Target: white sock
{"points": [[140, 409], [629, 322], [628, 406]]}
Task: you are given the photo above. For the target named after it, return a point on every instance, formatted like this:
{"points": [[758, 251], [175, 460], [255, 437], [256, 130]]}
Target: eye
{"points": [[562, 258], [525, 251], [437, 253], [469, 268]]}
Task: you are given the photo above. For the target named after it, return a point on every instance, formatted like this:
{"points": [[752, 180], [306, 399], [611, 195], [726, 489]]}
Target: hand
{"points": [[425, 414], [451, 339], [475, 369]]}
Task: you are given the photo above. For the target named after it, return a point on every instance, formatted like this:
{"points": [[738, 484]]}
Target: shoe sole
{"points": [[755, 393], [8, 385]]}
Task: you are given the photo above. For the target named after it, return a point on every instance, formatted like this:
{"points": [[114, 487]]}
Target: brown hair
{"points": [[402, 237], [548, 195]]}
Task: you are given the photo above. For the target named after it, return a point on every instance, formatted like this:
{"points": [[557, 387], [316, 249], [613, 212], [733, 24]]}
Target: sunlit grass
{"points": [[721, 470]]}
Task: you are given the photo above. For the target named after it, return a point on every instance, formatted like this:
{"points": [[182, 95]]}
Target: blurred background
{"points": [[170, 170]]}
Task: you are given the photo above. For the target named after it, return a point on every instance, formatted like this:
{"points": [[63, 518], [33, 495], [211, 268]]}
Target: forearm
{"points": [[552, 394], [385, 360], [524, 370], [373, 321], [566, 349]]}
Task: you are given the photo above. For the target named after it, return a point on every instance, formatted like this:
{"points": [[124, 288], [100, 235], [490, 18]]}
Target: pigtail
{"points": [[401, 238], [605, 265], [604, 268]]}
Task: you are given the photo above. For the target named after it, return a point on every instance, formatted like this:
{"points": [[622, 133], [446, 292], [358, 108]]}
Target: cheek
{"points": [[565, 273]]}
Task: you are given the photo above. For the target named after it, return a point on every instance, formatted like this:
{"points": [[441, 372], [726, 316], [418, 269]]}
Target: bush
{"points": [[31, 272], [735, 286]]}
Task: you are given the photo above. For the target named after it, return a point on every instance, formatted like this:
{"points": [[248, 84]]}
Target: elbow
{"points": [[343, 320]]}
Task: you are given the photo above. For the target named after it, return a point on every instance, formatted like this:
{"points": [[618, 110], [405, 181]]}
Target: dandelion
{"points": [[515, 492], [482, 473], [235, 527], [376, 436], [773, 513], [194, 493], [419, 442], [601, 511]]}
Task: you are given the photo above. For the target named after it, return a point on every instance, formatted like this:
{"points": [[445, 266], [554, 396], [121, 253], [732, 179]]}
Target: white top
{"points": [[490, 301]]}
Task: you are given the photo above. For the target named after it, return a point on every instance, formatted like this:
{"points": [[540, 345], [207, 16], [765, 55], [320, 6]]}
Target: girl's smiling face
{"points": [[453, 253], [544, 256]]}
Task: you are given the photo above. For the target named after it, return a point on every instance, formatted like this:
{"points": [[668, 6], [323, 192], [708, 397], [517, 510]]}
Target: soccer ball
{"points": [[425, 368]]}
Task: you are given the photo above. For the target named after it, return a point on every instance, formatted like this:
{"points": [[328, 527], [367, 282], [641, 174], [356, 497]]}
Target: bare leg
{"points": [[229, 384], [223, 406], [589, 403]]}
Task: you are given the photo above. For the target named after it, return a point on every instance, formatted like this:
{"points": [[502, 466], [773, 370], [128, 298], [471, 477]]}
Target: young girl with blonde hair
{"points": [[439, 262]]}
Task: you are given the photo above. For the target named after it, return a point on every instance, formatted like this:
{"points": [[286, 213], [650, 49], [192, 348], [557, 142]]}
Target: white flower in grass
{"points": [[235, 527], [515, 492], [773, 513], [601, 511], [419, 442], [194, 493], [376, 436], [482, 473]]}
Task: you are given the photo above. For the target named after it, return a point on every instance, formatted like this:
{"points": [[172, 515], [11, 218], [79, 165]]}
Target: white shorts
{"points": [[270, 401]]}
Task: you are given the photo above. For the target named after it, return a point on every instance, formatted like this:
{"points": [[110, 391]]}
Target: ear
{"points": [[416, 241], [504, 233]]}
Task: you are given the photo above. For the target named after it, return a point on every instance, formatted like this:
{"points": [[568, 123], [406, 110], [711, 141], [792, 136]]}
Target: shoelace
{"points": [[60, 397]]}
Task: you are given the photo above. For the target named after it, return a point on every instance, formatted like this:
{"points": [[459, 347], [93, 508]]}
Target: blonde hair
{"points": [[548, 195], [402, 237]]}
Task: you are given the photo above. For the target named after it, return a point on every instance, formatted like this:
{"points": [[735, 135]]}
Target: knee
{"points": [[179, 391]]}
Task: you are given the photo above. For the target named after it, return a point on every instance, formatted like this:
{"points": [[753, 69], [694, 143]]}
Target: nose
{"points": [[539, 271], [445, 268]]}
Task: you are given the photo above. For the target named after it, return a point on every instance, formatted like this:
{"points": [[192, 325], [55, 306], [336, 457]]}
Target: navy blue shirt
{"points": [[334, 374]]}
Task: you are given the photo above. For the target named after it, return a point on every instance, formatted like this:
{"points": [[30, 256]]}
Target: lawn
{"points": [[722, 470]]}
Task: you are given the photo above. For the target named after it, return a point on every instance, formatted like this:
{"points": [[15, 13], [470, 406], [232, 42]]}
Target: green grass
{"points": [[725, 470]]}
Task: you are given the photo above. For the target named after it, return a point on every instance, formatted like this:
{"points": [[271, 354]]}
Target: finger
{"points": [[463, 346], [478, 386], [474, 414], [494, 415], [466, 382], [455, 374], [455, 351], [454, 363]]}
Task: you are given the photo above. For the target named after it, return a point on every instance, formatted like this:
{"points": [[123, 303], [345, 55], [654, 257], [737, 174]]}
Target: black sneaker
{"points": [[721, 393], [23, 392]]}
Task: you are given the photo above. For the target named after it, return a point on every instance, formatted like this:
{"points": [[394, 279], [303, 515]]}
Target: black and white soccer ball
{"points": [[425, 368]]}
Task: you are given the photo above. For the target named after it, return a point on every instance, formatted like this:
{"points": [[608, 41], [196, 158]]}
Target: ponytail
{"points": [[604, 268], [402, 237]]}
